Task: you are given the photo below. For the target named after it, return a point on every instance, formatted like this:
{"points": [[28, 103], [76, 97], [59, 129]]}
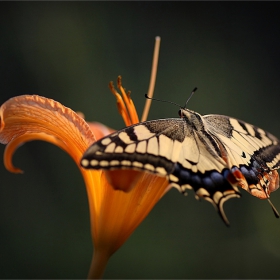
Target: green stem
{"points": [[98, 264]]}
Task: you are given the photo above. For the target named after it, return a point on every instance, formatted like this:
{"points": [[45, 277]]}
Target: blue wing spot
{"points": [[225, 173], [185, 175], [208, 182], [211, 180], [249, 175], [256, 164], [217, 178], [195, 181]]}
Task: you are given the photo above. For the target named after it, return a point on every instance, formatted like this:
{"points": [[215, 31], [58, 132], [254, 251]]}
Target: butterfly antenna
{"points": [[152, 98], [161, 100], [274, 209], [194, 90]]}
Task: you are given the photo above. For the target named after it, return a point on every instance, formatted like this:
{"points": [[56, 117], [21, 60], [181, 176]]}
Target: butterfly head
{"points": [[187, 113]]}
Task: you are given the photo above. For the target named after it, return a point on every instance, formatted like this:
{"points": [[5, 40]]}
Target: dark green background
{"points": [[69, 51]]}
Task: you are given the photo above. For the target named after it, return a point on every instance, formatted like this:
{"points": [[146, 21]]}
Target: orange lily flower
{"points": [[114, 214]]}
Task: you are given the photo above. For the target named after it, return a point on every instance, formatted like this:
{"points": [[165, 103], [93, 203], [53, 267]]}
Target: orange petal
{"points": [[121, 212], [31, 117], [100, 130], [124, 180], [13, 145]]}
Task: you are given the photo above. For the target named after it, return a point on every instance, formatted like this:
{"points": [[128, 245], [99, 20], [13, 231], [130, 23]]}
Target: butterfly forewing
{"points": [[212, 154], [244, 138], [152, 146]]}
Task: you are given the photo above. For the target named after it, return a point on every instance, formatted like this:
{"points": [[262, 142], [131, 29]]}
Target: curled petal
{"points": [[14, 143], [31, 117]]}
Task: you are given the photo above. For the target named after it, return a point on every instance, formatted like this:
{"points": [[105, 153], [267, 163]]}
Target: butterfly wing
{"points": [[151, 146], [167, 147], [252, 154]]}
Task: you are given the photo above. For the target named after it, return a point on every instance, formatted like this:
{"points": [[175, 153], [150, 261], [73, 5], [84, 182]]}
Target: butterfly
{"points": [[212, 155]]}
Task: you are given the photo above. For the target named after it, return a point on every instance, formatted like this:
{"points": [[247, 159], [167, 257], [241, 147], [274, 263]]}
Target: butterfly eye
{"points": [[180, 113]]}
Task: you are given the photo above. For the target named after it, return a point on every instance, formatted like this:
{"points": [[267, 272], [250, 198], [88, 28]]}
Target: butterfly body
{"points": [[211, 154]]}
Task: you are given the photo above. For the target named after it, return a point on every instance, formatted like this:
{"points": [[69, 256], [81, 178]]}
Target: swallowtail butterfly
{"points": [[212, 154]]}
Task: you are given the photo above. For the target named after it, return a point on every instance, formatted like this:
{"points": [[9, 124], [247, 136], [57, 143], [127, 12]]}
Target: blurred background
{"points": [[69, 52]]}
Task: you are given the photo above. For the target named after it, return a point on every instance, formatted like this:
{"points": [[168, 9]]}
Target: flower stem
{"points": [[98, 264]]}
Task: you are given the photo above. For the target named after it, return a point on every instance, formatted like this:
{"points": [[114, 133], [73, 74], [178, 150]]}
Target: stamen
{"points": [[128, 102], [121, 106], [152, 80]]}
